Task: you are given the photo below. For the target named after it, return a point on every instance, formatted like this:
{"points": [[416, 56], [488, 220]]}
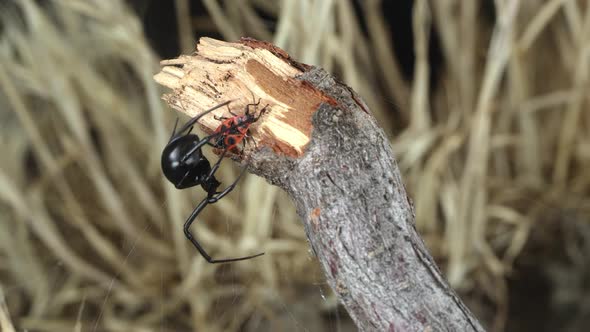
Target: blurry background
{"points": [[486, 104]]}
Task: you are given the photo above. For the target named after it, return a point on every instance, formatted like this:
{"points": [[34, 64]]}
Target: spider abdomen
{"points": [[181, 170]]}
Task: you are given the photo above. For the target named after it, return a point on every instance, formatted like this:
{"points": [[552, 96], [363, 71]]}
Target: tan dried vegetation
{"points": [[91, 234]]}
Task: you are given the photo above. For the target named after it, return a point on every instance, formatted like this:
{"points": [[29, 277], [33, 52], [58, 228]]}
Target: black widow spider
{"points": [[184, 164]]}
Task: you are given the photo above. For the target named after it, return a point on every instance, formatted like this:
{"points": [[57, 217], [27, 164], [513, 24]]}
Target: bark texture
{"points": [[321, 144]]}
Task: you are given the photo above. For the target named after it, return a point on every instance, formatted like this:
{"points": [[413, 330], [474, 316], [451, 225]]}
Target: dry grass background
{"points": [[495, 154]]}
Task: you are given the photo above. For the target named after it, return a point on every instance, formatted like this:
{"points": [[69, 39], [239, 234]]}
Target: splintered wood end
{"points": [[245, 72]]}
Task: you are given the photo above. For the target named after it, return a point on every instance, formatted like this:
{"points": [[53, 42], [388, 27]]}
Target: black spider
{"points": [[184, 164]]}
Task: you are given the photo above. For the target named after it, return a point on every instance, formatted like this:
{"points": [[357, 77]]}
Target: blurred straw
{"points": [[500, 132], [183, 20]]}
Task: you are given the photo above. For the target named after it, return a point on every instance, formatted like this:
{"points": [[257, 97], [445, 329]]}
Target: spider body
{"points": [[185, 166], [191, 171]]}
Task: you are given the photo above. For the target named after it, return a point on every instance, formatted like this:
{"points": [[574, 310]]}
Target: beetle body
{"points": [[232, 131], [235, 129]]}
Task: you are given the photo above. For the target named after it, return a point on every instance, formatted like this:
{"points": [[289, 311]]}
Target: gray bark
{"points": [[360, 222]]}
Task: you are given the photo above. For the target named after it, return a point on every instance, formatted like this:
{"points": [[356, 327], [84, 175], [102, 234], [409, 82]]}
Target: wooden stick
{"points": [[320, 143]]}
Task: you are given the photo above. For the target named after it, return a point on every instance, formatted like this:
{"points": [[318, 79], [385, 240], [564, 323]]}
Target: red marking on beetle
{"points": [[235, 129], [234, 136]]}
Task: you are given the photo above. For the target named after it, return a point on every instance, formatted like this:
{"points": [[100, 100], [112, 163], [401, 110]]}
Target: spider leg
{"points": [[202, 142], [219, 195], [196, 243], [189, 235], [174, 129], [216, 166], [194, 120], [210, 200]]}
